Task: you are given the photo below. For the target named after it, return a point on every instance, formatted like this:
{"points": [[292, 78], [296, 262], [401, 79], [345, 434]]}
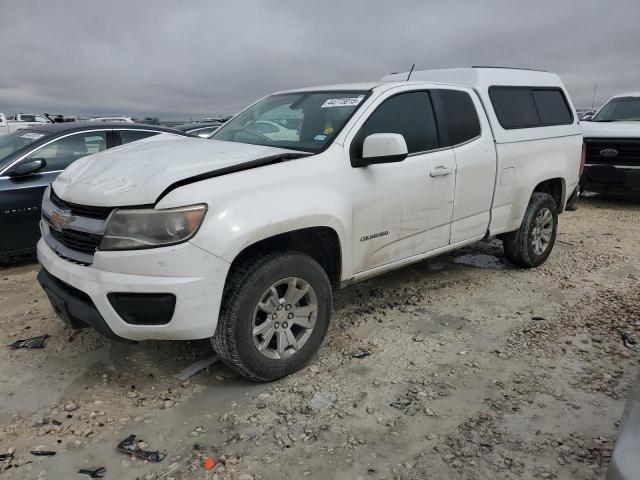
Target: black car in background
{"points": [[30, 159]]}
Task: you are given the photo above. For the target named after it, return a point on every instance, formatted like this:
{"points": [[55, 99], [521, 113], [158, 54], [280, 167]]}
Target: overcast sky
{"points": [[178, 59]]}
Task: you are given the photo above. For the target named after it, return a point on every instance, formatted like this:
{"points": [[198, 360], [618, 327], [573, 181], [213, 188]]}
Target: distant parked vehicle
{"points": [[585, 113], [275, 131], [8, 126], [111, 119], [199, 129], [31, 117], [148, 120], [612, 140], [31, 158], [216, 119]]}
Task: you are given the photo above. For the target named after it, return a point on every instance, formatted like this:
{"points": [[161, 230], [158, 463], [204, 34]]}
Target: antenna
{"points": [[411, 71], [593, 101]]}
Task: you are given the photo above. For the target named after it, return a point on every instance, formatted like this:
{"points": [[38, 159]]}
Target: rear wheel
{"points": [[274, 316], [532, 243]]}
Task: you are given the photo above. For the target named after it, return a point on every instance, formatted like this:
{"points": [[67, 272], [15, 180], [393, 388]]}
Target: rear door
{"points": [[402, 209], [463, 126], [22, 196]]}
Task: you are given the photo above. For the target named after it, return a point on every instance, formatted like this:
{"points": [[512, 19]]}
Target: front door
{"points": [[402, 209]]}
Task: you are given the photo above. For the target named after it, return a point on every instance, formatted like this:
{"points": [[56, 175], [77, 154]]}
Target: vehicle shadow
{"points": [[600, 200], [18, 261]]}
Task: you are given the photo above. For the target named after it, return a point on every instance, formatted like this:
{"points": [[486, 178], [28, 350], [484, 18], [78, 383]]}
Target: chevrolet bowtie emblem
{"points": [[60, 219]]}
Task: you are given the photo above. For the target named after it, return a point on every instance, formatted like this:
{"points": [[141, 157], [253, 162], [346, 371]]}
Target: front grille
{"points": [[628, 151], [76, 240], [80, 210]]}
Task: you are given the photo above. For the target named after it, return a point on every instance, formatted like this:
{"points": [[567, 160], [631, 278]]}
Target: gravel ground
{"points": [[458, 367]]}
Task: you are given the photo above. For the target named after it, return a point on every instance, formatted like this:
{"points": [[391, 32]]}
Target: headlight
{"points": [[130, 229]]}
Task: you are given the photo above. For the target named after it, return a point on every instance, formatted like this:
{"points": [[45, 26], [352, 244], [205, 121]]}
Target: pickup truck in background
{"points": [[22, 121], [244, 237], [612, 139]]}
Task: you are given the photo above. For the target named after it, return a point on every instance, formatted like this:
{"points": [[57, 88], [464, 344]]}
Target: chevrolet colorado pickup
{"points": [[243, 238]]}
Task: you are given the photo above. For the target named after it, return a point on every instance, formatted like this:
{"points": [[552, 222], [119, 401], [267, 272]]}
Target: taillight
{"points": [[583, 157]]}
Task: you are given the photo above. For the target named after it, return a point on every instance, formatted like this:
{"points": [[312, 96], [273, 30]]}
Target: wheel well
{"points": [[320, 243], [555, 188]]}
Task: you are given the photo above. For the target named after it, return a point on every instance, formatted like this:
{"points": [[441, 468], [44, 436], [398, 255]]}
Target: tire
{"points": [[519, 246], [249, 303]]}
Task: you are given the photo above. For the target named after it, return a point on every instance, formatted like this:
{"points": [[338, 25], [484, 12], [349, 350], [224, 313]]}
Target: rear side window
{"points": [[528, 107], [128, 136], [457, 117], [552, 107], [409, 114]]}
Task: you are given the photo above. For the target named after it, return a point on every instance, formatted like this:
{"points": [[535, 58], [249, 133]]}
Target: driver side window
{"points": [[409, 114]]}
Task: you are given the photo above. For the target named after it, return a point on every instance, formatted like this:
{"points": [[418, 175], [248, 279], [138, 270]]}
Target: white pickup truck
{"points": [[21, 121], [612, 139], [242, 238]]}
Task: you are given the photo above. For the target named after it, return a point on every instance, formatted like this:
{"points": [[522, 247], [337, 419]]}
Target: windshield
{"points": [[620, 110], [307, 121], [15, 141]]}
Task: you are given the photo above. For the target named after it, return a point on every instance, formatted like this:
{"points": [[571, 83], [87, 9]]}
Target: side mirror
{"points": [[27, 168], [383, 148]]}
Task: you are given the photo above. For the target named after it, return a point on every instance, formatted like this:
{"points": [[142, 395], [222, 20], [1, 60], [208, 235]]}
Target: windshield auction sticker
{"points": [[342, 102]]}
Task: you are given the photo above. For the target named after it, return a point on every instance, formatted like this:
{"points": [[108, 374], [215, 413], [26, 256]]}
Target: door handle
{"points": [[440, 171]]}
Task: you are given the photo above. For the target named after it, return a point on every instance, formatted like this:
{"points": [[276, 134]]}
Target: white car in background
{"points": [[111, 119], [612, 139], [275, 131], [22, 121]]}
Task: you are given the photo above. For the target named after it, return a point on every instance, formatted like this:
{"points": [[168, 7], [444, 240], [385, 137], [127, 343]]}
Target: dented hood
{"points": [[610, 129], [138, 173]]}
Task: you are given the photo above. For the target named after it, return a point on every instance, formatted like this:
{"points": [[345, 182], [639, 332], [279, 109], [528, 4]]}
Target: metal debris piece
{"points": [[194, 368], [43, 453], [129, 445], [35, 342], [93, 472], [361, 354]]}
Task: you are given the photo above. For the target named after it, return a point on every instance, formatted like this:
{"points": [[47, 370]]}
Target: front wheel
{"points": [[532, 243], [274, 316]]}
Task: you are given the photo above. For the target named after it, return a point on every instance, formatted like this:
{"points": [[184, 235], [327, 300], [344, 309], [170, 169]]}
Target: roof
{"points": [[628, 94], [50, 128], [366, 86], [474, 77], [481, 77]]}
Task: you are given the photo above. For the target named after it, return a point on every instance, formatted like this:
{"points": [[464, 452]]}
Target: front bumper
{"points": [[195, 277], [611, 179]]}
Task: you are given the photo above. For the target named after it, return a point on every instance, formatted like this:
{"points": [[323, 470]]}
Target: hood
{"points": [[610, 129], [139, 172]]}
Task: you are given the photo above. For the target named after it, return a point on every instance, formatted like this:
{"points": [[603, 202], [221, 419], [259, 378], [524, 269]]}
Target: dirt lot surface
{"points": [[458, 367]]}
